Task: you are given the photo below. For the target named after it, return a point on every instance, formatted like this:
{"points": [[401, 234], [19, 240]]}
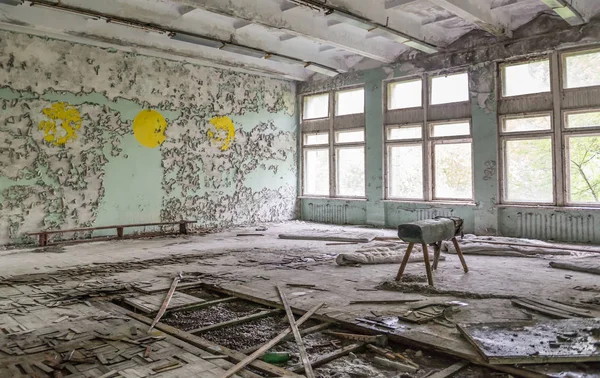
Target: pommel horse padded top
{"points": [[430, 230]]}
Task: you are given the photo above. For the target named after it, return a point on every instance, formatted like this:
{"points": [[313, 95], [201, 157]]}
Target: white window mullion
{"points": [[558, 153]]}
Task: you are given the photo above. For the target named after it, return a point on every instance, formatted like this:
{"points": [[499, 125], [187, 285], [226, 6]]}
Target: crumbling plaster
{"points": [[104, 175]]}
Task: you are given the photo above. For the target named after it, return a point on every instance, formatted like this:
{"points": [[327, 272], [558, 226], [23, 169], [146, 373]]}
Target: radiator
{"points": [[335, 214], [557, 226], [423, 214]]}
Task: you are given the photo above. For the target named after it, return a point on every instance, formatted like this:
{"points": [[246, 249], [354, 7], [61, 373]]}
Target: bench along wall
{"points": [[93, 137]]}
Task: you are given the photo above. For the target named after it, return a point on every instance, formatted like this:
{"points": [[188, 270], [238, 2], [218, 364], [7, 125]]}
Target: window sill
{"points": [[440, 202], [359, 199], [549, 207]]}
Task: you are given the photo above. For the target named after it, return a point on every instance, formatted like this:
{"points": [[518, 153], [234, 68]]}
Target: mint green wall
{"points": [[105, 175]]}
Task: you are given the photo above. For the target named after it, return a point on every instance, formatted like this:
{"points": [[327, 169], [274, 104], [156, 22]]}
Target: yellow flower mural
{"points": [[63, 122], [222, 132], [149, 128]]}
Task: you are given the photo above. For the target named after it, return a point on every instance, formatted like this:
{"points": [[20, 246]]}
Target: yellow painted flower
{"points": [[63, 122], [222, 132]]}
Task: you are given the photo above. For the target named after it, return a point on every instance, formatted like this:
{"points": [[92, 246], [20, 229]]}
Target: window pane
{"points": [[526, 78], [350, 136], [588, 119], [405, 94], [450, 129], [512, 125], [316, 172], [405, 171], [453, 172], [351, 171], [452, 88], [582, 70], [316, 106], [405, 132], [312, 139], [529, 170], [584, 157], [350, 102]]}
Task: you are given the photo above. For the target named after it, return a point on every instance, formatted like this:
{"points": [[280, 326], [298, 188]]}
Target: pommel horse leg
{"points": [[404, 261], [437, 251], [460, 255], [427, 265]]}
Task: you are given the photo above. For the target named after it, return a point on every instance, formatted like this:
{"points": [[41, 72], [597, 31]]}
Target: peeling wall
{"points": [[209, 145]]}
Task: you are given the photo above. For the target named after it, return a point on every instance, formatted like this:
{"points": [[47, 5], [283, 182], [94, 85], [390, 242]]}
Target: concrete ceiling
{"points": [[291, 39]]}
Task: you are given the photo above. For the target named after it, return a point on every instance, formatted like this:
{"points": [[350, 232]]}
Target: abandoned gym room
{"points": [[299, 188]]}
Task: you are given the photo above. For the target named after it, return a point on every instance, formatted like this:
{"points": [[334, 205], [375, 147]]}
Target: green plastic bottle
{"points": [[276, 357]]}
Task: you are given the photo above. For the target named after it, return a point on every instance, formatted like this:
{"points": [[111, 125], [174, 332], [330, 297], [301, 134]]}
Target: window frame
{"points": [[454, 139], [388, 98], [563, 65], [333, 145], [567, 133], [347, 89], [502, 77], [303, 100], [446, 74], [390, 143]]}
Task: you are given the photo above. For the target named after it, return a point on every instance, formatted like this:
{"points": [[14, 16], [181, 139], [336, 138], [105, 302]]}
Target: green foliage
{"points": [[584, 155]]}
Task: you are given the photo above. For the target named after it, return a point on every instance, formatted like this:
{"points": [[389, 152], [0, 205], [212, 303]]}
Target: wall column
{"points": [[485, 147], [374, 145]]}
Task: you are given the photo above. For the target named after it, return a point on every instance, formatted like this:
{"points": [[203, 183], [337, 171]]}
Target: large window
{"points": [[429, 159], [452, 162], [582, 154], [526, 78], [552, 156], [334, 144], [581, 69], [405, 94]]}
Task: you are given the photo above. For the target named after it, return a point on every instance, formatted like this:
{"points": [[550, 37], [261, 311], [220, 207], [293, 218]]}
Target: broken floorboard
{"points": [[557, 341], [211, 347], [151, 303], [452, 347]]}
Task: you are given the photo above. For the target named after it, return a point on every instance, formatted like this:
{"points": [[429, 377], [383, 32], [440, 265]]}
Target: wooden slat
{"points": [[303, 332], [236, 321], [330, 357], [290, 315], [549, 311], [211, 347]]}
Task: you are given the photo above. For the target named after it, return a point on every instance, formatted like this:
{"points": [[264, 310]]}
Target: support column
{"points": [[485, 147], [374, 146]]}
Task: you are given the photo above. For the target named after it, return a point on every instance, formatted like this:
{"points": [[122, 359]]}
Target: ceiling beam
{"points": [[566, 11], [305, 22], [472, 13], [391, 4]]}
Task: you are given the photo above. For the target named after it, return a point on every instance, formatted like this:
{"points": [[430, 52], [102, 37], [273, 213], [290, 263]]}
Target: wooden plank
{"points": [[151, 303], [451, 370], [551, 341], [211, 347], [232, 322], [546, 310], [163, 308], [580, 312], [330, 356], [303, 332], [201, 305], [290, 315], [240, 365]]}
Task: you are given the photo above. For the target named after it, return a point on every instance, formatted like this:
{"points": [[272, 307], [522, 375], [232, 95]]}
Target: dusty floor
{"points": [[254, 265]]}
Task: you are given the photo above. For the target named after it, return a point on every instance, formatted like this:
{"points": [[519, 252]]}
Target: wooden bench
{"points": [[43, 235]]}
